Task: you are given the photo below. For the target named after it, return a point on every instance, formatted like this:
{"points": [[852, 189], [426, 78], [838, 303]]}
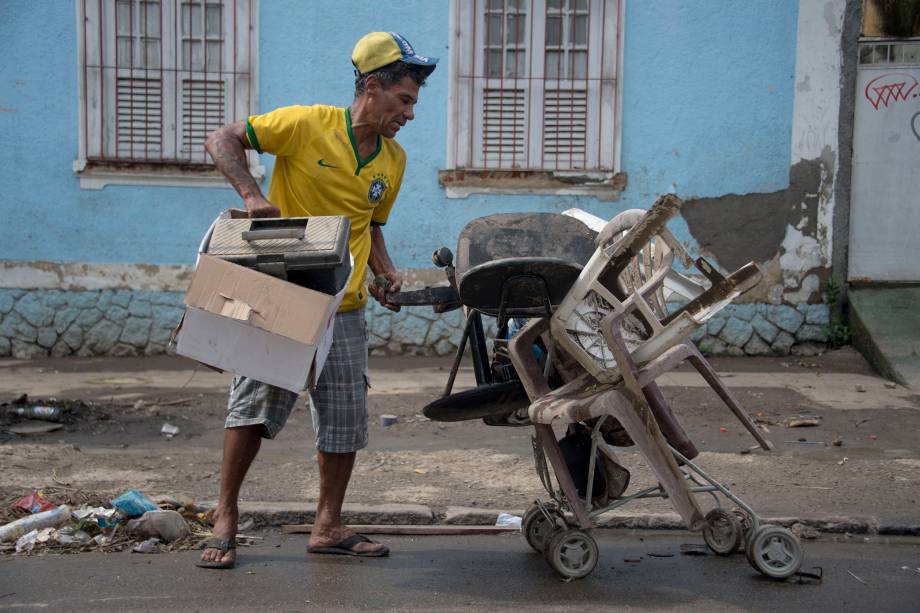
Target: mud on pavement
{"points": [[111, 441]]}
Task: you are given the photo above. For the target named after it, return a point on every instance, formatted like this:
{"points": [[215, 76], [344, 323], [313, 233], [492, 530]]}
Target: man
{"points": [[330, 161]]}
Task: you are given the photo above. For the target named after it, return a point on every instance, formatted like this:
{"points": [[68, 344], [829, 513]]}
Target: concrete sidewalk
{"points": [[424, 472]]}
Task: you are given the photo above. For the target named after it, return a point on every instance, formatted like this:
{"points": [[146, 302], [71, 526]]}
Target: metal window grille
{"points": [[539, 92], [160, 75]]}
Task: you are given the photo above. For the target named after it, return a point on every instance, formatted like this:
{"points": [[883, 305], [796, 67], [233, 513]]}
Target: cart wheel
{"points": [[722, 532], [537, 529], [572, 553], [774, 551], [745, 521]]}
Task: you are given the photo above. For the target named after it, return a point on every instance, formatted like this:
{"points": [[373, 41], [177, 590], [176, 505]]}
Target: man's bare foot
{"points": [[225, 522], [328, 539]]}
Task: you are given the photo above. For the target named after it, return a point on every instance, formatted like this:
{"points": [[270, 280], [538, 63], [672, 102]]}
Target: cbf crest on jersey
{"points": [[377, 189]]}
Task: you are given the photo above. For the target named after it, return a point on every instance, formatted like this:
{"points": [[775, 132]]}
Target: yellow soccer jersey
{"points": [[318, 172]]}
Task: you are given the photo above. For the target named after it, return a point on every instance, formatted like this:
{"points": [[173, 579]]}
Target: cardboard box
{"points": [[249, 323]]}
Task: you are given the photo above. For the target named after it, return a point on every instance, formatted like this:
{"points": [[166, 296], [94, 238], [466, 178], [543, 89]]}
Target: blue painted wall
{"points": [[707, 110]]}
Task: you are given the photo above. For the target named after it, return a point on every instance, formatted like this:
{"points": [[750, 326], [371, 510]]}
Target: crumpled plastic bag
{"points": [[506, 519], [165, 525]]}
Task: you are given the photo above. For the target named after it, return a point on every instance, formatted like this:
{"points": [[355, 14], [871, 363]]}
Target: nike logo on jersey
{"points": [[323, 163]]}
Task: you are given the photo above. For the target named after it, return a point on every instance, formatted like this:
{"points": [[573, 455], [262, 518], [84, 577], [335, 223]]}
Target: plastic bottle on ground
{"points": [[48, 519], [40, 412]]}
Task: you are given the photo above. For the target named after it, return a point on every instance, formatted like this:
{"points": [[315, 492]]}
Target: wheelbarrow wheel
{"points": [[572, 553], [775, 552], [537, 528], [722, 532], [746, 528]]}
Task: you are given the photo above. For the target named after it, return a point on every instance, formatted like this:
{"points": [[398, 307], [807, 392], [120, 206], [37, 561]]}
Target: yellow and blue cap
{"points": [[378, 49]]}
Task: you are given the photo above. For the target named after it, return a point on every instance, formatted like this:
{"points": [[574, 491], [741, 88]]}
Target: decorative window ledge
{"points": [[460, 183], [96, 175]]}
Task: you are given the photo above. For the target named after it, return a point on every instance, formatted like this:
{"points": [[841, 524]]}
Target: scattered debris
{"points": [[872, 437], [133, 504], [913, 570], [723, 429], [693, 549], [388, 420], [44, 413], [69, 535], [39, 521], [176, 502], [166, 525], [843, 461], [816, 575], [506, 519], [857, 578], [95, 526], [169, 430], [803, 422], [26, 542], [804, 531], [860, 388], [34, 503], [151, 545], [838, 442]]}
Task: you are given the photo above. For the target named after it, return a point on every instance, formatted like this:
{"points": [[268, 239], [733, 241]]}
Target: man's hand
{"points": [[388, 282], [260, 207]]}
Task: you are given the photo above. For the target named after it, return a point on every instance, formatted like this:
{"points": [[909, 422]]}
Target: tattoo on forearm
{"points": [[230, 158]]}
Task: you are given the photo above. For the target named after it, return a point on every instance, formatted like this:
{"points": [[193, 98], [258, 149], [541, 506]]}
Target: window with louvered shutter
{"points": [[158, 76], [534, 85]]}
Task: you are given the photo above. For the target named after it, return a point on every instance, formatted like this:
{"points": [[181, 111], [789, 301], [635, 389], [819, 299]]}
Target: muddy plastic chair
{"points": [[624, 339], [630, 278]]}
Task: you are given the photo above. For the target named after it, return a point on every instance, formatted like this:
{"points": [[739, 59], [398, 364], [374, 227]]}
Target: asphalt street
{"points": [[644, 571]]}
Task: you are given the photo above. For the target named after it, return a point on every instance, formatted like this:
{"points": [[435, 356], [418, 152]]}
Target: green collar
{"points": [[354, 145]]}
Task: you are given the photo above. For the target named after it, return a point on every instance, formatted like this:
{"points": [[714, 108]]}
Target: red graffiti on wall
{"points": [[889, 88]]}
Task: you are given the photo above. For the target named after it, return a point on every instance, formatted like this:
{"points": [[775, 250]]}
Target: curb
{"points": [[272, 514], [276, 514]]}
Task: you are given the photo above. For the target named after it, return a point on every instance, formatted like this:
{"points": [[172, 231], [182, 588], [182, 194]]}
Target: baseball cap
{"points": [[377, 49]]}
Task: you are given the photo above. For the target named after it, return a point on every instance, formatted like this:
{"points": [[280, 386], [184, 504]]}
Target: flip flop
{"points": [[344, 547], [223, 546]]}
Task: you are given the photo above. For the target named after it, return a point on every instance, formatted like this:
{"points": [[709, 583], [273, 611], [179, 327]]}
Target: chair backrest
{"points": [[643, 273], [624, 277], [623, 283]]}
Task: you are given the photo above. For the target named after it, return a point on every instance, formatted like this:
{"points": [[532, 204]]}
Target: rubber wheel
{"points": [[745, 528], [775, 552], [572, 553], [722, 532], [536, 528]]}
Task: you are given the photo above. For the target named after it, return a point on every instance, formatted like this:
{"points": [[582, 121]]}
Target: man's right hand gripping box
{"points": [[260, 325]]}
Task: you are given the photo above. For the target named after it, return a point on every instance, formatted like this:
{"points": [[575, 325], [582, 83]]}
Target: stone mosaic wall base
{"points": [[739, 329], [40, 323], [766, 329]]}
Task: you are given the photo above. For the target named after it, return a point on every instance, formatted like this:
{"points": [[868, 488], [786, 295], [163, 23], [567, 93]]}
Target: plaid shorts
{"points": [[338, 405]]}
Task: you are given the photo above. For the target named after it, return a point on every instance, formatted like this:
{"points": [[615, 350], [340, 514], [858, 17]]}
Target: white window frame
{"points": [[465, 100], [96, 167]]}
